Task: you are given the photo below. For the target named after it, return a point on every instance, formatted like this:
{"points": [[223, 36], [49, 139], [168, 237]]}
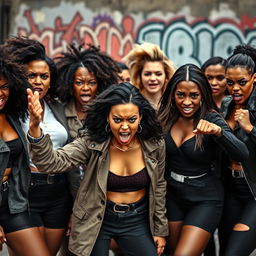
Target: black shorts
{"points": [[198, 204], [50, 205], [13, 222]]}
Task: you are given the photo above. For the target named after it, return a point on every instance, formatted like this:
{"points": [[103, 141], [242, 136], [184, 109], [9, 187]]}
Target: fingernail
{"points": [[5, 240]]}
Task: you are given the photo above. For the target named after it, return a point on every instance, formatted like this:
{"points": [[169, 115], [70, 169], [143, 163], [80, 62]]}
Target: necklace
{"points": [[124, 150]]}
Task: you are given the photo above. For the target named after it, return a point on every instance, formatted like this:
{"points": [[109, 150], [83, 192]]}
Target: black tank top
{"points": [[15, 147], [137, 181]]}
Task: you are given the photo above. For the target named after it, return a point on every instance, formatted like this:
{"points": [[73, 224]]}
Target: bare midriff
{"points": [[126, 197]]}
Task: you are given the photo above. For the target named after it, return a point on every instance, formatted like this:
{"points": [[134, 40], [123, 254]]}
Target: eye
{"points": [[44, 76], [92, 83], [209, 78], [243, 82], [79, 83], [180, 95], [147, 74], [159, 73], [4, 87], [31, 76], [194, 96], [230, 82], [132, 120], [220, 78], [117, 120]]}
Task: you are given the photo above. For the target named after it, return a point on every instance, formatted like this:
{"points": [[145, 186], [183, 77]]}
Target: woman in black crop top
{"points": [[122, 195], [238, 226], [16, 228], [194, 133]]}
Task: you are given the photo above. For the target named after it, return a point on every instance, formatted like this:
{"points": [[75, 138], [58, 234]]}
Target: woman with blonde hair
{"points": [[150, 71]]}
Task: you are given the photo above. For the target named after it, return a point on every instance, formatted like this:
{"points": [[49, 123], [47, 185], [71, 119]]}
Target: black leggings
{"points": [[130, 230], [239, 207]]}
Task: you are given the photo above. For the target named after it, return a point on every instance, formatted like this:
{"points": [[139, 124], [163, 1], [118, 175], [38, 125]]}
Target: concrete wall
{"points": [[188, 31]]}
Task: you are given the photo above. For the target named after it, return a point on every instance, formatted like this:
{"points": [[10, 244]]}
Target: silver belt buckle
{"points": [[119, 211], [237, 174], [50, 178], [5, 185], [177, 177]]}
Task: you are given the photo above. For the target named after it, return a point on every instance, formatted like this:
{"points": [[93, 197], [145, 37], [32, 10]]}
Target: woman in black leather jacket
{"points": [[238, 229], [16, 228]]}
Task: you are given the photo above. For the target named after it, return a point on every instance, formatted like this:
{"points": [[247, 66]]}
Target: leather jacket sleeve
{"points": [[228, 142]]}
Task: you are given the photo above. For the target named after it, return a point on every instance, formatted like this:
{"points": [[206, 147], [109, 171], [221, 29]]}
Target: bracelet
{"points": [[33, 139]]}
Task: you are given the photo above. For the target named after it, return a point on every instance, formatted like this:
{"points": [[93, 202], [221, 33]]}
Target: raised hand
{"points": [[205, 127], [242, 117], [35, 113]]}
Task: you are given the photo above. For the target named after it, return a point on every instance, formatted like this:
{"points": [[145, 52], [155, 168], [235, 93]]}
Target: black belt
{"points": [[5, 185], [123, 208], [42, 178]]}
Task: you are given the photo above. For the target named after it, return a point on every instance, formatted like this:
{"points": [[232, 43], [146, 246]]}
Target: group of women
{"points": [[155, 165]]}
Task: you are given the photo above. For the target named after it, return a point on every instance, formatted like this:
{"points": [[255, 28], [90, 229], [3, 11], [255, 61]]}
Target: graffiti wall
{"points": [[183, 38]]}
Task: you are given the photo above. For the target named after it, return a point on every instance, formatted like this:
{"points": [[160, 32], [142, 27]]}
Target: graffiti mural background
{"points": [[182, 37]]}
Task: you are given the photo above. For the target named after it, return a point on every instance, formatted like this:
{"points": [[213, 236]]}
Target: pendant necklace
{"points": [[125, 150]]}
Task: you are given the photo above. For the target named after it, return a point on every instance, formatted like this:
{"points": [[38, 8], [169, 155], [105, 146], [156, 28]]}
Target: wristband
{"points": [[33, 139]]}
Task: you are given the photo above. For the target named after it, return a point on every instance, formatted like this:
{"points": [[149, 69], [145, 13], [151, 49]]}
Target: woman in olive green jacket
{"points": [[123, 143]]}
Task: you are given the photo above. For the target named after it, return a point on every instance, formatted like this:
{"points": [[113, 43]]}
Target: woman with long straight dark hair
{"points": [[194, 134]]}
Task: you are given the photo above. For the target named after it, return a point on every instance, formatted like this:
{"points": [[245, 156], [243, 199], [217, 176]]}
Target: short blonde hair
{"points": [[140, 54]]}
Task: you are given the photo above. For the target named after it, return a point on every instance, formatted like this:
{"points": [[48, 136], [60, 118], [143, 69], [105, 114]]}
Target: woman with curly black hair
{"points": [[16, 226], [83, 74], [238, 226], [122, 195], [195, 133], [49, 196]]}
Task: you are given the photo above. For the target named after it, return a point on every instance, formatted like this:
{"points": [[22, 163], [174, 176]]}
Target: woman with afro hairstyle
{"points": [[83, 74], [150, 71], [49, 196], [16, 228], [238, 226]]}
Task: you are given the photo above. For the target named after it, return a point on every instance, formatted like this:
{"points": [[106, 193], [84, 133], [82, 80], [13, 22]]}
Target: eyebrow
{"points": [[115, 115], [4, 84]]}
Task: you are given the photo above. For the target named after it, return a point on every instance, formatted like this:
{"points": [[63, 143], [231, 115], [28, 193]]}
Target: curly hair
{"points": [[169, 113], [16, 105], [243, 56], [122, 93], [95, 61], [140, 54], [25, 50]]}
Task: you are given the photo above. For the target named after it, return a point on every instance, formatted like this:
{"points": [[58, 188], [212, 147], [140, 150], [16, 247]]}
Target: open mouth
{"points": [[124, 136], [2, 102], [38, 89], [187, 110], [237, 97], [86, 97]]}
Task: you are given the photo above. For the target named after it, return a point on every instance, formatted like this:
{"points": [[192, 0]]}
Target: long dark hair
{"points": [[169, 113], [16, 105], [122, 93], [95, 61]]}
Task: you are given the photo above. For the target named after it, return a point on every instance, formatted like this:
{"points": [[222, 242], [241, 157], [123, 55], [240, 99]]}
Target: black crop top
{"points": [[15, 147], [137, 181]]}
